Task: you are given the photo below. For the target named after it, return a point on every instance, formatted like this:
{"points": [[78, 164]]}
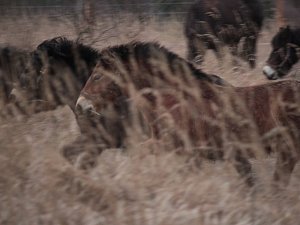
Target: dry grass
{"points": [[39, 186]]}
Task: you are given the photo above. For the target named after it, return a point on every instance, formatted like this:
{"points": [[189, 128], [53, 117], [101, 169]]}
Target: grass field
{"points": [[39, 186]]}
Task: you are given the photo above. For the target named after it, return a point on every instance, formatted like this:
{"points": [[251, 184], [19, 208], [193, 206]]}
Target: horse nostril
{"points": [[82, 109], [83, 105], [78, 109], [89, 108]]}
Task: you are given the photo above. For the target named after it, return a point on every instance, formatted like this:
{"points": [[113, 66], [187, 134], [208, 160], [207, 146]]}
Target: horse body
{"points": [[210, 24], [146, 63], [208, 119], [284, 54]]}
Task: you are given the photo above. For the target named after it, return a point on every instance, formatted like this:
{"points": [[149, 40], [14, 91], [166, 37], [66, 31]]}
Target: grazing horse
{"points": [[284, 54], [140, 84], [213, 23], [12, 63], [56, 72]]}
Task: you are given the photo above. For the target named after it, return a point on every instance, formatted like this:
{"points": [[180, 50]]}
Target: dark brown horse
{"points": [[135, 82], [213, 23], [284, 54], [56, 72]]}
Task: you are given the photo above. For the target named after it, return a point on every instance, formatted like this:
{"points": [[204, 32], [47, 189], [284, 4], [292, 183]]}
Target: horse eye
{"points": [[96, 77]]}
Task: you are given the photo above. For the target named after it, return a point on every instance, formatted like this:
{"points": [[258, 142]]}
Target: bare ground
{"points": [[39, 186]]}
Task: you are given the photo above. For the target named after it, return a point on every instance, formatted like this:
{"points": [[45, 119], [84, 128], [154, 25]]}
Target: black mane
{"points": [[62, 67], [143, 51], [68, 51], [286, 35]]}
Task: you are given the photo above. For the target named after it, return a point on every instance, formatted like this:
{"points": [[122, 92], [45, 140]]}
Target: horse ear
{"points": [[286, 31], [287, 28]]}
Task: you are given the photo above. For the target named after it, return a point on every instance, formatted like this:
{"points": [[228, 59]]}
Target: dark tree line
{"points": [[133, 6]]}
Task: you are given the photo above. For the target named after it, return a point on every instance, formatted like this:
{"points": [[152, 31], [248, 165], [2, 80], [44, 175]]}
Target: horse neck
{"points": [[89, 54], [296, 37]]}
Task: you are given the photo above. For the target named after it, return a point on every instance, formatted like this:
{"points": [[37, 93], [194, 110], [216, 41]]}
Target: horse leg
{"points": [[244, 168], [217, 47], [285, 164], [82, 153], [196, 50], [234, 52], [289, 154], [249, 51]]}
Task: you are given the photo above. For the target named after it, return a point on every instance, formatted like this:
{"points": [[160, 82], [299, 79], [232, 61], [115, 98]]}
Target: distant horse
{"points": [[213, 23], [156, 86], [284, 54], [56, 72]]}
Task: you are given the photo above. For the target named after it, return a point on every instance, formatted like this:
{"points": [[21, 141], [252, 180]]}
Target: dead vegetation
{"points": [[143, 185]]}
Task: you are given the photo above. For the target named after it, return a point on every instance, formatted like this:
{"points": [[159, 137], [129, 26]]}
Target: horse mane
{"points": [[147, 49], [62, 49], [67, 63], [296, 36], [286, 35]]}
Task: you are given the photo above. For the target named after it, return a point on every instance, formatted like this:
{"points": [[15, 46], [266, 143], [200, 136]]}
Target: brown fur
{"points": [[198, 116]]}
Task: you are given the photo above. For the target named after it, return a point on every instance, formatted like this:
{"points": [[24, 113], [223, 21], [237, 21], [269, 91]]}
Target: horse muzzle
{"points": [[270, 73], [84, 105], [16, 95]]}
